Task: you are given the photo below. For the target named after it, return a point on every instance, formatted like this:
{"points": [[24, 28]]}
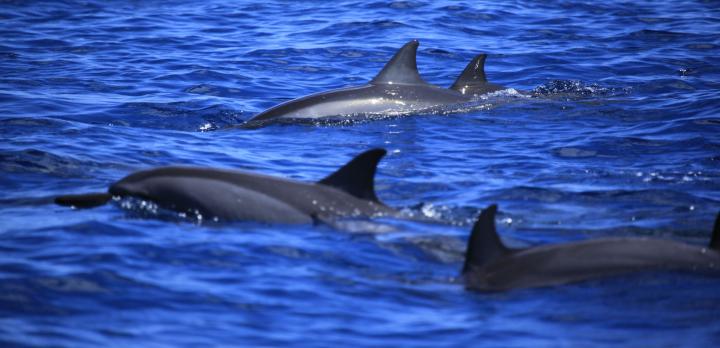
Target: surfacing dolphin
{"points": [[234, 195], [491, 266], [397, 89]]}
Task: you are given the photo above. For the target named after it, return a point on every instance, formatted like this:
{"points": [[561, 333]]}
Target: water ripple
{"points": [[610, 129]]}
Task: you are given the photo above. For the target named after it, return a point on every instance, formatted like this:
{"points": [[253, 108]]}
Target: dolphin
{"points": [[397, 89], [228, 195], [491, 266]]}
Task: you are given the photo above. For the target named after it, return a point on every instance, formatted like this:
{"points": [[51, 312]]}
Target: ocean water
{"points": [[621, 138]]}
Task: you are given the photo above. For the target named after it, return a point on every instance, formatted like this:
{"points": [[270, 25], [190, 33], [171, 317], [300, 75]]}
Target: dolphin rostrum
{"points": [[491, 266], [234, 195], [397, 89]]}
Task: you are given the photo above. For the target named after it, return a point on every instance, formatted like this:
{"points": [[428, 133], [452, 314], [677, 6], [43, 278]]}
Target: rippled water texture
{"points": [[623, 140]]}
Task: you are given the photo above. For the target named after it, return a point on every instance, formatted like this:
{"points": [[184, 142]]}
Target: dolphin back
{"points": [[489, 265], [83, 201]]}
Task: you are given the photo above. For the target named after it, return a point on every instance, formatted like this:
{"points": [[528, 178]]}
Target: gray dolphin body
{"points": [[236, 195], [397, 89], [491, 266]]}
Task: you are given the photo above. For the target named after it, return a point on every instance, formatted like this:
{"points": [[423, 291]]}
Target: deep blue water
{"points": [[623, 140]]}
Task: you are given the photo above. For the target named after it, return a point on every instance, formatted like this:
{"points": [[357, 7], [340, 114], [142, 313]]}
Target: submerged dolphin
{"points": [[234, 195], [491, 266], [397, 89]]}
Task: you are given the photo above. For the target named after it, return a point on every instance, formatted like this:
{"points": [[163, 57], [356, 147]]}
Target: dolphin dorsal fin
{"points": [[474, 72], [402, 68], [484, 244], [715, 241], [473, 79], [357, 177]]}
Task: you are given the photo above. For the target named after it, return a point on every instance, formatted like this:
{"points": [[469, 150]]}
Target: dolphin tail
{"points": [[484, 244], [473, 80], [357, 177], [83, 201], [715, 241]]}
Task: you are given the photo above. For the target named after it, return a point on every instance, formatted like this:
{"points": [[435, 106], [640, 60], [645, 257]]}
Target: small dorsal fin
{"points": [[715, 241], [402, 68], [357, 177], [473, 79], [474, 72], [484, 244]]}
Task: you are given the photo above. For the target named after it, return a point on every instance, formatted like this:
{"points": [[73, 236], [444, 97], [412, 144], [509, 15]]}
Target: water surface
{"points": [[624, 141]]}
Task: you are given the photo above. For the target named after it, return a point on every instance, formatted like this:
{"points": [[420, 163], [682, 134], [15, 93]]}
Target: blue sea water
{"points": [[622, 139]]}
